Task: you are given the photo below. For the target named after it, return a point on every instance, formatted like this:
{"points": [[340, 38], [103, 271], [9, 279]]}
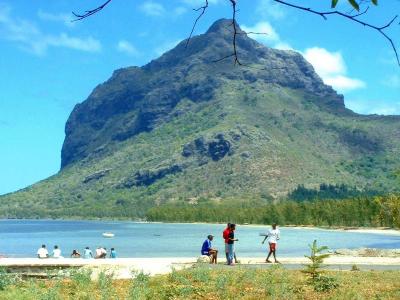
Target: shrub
{"points": [[321, 283], [139, 289], [81, 277], [355, 268], [6, 279], [105, 281]]}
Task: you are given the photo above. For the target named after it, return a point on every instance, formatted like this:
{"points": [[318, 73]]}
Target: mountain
{"points": [[189, 126]]}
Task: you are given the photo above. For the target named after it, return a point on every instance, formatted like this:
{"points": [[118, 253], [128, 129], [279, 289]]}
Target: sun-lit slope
{"points": [[185, 127]]}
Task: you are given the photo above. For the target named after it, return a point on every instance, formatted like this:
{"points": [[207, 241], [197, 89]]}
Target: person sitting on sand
{"points": [[113, 253], [207, 249], [87, 253], [101, 252], [56, 252], [75, 254], [42, 252], [273, 236]]}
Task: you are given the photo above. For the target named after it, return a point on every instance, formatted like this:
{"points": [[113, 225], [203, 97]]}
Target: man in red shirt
{"points": [[225, 235]]}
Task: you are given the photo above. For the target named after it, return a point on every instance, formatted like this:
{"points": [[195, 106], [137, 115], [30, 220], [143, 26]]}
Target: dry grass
{"points": [[209, 283]]}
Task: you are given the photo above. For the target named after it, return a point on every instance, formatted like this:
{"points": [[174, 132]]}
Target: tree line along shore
{"points": [[377, 211], [360, 211]]}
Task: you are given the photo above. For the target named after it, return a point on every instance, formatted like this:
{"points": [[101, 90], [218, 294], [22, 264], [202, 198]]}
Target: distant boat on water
{"points": [[108, 234]]}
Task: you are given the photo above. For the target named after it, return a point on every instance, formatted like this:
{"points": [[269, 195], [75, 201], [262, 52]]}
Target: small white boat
{"points": [[108, 234]]}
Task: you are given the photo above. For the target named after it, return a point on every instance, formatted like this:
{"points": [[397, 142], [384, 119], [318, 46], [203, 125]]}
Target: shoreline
{"points": [[371, 230]]}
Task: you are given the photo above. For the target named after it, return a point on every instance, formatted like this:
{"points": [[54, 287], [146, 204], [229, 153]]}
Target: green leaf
{"points": [[334, 3], [354, 4], [375, 2]]}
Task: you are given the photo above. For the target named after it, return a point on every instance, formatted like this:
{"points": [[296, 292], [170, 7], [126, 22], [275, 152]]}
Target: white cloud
{"points": [[263, 32], [166, 46], [332, 69], [343, 83], [151, 8], [64, 40], [126, 47], [270, 9], [329, 65], [266, 34], [379, 107], [325, 63], [60, 17], [283, 46], [29, 37]]}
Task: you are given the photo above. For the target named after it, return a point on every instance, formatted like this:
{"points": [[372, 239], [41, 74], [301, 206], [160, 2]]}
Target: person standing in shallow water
{"points": [[273, 236]]}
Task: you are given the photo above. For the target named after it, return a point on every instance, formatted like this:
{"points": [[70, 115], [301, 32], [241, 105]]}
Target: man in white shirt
{"points": [[42, 252], [273, 236], [57, 252]]}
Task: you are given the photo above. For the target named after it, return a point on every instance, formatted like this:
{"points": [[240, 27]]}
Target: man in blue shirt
{"points": [[207, 249]]}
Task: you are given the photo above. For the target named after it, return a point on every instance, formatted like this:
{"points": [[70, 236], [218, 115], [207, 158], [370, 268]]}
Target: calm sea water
{"points": [[21, 238]]}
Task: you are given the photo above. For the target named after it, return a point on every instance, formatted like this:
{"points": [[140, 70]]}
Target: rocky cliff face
{"points": [[136, 100]]}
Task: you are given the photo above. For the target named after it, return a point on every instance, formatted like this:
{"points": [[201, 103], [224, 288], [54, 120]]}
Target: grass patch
{"points": [[205, 282]]}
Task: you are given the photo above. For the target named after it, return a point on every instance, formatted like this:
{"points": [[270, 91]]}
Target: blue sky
{"points": [[48, 64]]}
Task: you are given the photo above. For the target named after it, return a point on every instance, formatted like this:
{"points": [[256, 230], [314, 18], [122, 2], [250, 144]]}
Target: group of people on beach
{"points": [[273, 235], [100, 252]]}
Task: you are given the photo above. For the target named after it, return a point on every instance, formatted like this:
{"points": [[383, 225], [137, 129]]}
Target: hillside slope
{"points": [[185, 127]]}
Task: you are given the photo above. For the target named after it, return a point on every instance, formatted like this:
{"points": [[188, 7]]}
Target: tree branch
{"points": [[202, 10], [324, 15], [353, 18], [88, 13], [235, 32]]}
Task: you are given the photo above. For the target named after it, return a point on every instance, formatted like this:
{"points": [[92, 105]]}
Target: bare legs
{"points": [[214, 255]]}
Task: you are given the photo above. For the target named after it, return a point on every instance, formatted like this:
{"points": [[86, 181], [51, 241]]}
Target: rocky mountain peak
{"points": [[222, 27], [138, 99]]}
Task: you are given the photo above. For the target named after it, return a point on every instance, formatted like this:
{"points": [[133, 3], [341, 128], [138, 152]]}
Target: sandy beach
{"points": [[122, 268], [373, 230]]}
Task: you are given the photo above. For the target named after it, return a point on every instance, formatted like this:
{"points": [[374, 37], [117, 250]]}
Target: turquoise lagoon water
{"points": [[21, 238]]}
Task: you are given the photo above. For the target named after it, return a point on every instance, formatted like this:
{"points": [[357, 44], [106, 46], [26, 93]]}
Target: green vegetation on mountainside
{"points": [[183, 128], [283, 148]]}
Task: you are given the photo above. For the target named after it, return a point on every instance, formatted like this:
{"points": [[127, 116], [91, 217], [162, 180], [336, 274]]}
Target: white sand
{"points": [[374, 231], [123, 267]]}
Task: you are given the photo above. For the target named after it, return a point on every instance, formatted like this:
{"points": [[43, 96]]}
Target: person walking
{"points": [[231, 242], [273, 236]]}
